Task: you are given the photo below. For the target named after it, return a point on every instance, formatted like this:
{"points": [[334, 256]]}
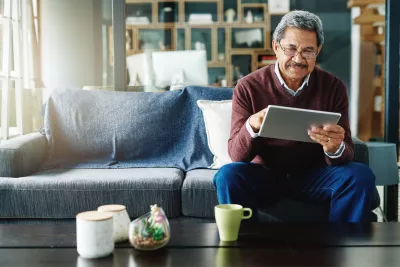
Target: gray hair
{"points": [[302, 20]]}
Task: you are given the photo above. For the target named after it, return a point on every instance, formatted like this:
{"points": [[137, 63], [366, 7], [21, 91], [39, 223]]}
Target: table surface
{"points": [[376, 244]]}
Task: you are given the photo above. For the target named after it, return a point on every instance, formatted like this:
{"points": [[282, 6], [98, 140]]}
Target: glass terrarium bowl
{"points": [[150, 231]]}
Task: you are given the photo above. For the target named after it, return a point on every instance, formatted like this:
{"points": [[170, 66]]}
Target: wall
{"points": [[70, 42]]}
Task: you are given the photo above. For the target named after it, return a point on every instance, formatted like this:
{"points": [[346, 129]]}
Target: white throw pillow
{"points": [[217, 118]]}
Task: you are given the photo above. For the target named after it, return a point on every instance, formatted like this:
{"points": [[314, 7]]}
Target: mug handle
{"points": [[248, 216]]}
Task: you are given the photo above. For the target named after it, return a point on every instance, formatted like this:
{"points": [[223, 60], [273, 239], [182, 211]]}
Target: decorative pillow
{"points": [[217, 118]]}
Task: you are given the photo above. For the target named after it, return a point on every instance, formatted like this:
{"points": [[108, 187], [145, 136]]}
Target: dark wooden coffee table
{"points": [[376, 244]]}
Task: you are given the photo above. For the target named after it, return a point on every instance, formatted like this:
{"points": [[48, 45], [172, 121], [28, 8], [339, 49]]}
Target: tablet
{"points": [[293, 123]]}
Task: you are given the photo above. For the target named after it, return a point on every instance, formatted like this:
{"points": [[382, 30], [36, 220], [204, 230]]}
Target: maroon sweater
{"points": [[262, 88]]}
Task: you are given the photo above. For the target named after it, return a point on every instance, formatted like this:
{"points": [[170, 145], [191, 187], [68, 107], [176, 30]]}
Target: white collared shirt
{"points": [[291, 91], [341, 148]]}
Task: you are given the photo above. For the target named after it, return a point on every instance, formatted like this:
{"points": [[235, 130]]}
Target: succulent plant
{"points": [[150, 231]]}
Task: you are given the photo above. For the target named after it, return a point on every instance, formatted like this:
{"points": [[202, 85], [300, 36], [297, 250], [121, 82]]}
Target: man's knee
{"points": [[228, 174], [361, 175]]}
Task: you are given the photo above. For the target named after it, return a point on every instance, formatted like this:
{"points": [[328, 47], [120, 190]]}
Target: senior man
{"points": [[266, 169]]}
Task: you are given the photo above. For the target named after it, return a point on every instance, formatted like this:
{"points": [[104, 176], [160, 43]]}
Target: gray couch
{"points": [[136, 149]]}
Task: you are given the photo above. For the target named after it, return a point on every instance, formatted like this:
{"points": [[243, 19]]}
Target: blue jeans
{"points": [[347, 190]]}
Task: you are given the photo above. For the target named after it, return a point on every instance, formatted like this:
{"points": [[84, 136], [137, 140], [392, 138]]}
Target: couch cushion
{"points": [[198, 193], [62, 193]]}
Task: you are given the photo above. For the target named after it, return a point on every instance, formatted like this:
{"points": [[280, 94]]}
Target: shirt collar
{"points": [[278, 73]]}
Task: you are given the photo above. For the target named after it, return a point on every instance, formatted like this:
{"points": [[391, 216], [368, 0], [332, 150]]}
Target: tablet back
{"points": [[292, 123]]}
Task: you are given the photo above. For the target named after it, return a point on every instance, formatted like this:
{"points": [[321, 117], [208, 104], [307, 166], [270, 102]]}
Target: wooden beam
{"points": [[369, 16], [357, 3], [373, 38]]}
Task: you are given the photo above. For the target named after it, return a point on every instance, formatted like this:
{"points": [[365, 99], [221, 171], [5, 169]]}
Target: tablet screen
{"points": [[293, 123]]}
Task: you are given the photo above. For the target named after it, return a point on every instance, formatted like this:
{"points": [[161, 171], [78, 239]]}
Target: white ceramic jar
{"points": [[94, 234], [121, 221]]}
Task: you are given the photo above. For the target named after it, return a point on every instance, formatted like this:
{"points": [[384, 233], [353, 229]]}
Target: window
{"points": [[1, 34], [18, 44]]}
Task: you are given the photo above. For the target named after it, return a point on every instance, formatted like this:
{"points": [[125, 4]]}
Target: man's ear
{"points": [[275, 47]]}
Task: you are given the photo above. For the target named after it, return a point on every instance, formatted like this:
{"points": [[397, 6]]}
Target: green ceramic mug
{"points": [[228, 218]]}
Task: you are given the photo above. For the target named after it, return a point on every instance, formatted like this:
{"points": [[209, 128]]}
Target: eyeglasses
{"points": [[292, 52]]}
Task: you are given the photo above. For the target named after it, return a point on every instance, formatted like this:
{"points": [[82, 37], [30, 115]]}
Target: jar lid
{"points": [[94, 216], [111, 208]]}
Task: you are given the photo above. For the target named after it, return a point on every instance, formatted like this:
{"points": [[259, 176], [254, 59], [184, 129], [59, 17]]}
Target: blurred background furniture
{"points": [[234, 34], [167, 70], [383, 162]]}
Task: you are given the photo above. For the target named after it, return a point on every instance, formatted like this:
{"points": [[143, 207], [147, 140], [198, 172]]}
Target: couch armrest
{"points": [[23, 155], [360, 151]]}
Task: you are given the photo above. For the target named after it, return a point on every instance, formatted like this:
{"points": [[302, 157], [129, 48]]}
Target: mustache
{"points": [[294, 64]]}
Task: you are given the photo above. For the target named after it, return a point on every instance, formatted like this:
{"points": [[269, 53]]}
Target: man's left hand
{"points": [[330, 136]]}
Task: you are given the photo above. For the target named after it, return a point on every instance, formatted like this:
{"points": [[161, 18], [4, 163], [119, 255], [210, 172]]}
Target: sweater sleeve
{"points": [[241, 146], [341, 105]]}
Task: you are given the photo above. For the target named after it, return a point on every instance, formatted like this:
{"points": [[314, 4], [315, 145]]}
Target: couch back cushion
{"points": [[92, 129]]}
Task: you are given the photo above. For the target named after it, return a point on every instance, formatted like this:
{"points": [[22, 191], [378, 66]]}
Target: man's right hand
{"points": [[256, 120]]}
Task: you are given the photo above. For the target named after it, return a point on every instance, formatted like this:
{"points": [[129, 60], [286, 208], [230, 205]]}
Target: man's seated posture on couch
{"points": [[265, 169]]}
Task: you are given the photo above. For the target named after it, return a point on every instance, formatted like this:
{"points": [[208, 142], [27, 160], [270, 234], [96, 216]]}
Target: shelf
{"points": [[263, 59], [258, 13], [233, 13], [201, 39], [216, 75], [221, 45], [168, 12], [247, 25], [242, 51], [201, 25], [200, 8], [152, 1], [263, 64], [139, 11], [202, 1], [248, 38], [216, 65], [155, 39], [134, 52], [254, 5], [137, 1], [228, 44], [180, 41], [241, 66]]}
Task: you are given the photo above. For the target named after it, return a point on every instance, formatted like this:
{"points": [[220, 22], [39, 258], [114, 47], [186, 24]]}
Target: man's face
{"points": [[296, 67]]}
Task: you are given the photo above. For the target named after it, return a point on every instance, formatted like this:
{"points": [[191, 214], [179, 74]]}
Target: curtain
{"points": [[19, 72]]}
